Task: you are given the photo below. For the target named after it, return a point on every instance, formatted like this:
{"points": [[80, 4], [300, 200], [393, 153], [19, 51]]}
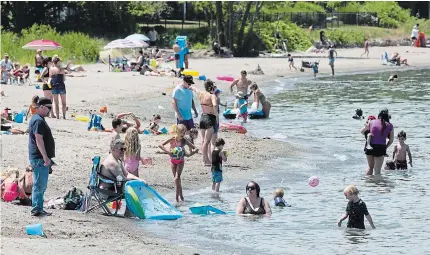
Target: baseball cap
{"points": [[6, 55], [188, 79], [44, 101], [39, 50]]}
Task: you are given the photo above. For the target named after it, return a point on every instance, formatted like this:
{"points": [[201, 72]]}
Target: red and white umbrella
{"points": [[42, 45]]}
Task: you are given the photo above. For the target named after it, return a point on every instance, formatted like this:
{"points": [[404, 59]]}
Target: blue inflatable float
{"points": [[231, 114]]}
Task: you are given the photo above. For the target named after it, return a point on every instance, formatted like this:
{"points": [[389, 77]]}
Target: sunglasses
{"points": [[251, 188], [122, 149]]}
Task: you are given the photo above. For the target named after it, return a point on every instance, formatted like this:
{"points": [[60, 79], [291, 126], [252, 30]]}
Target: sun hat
{"points": [[39, 50], [240, 94]]}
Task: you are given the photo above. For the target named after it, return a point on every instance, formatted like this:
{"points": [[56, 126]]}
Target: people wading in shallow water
{"points": [[380, 129], [331, 52], [253, 203], [260, 102]]}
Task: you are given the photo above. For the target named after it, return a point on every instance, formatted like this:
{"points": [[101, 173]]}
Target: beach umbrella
{"points": [[138, 37], [42, 45], [124, 44]]}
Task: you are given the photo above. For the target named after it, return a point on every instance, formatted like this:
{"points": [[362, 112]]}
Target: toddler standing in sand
{"points": [[399, 153], [132, 152], [177, 153], [32, 107], [355, 210]]}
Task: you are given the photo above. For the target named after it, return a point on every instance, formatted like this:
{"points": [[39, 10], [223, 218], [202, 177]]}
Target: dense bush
{"points": [[77, 46], [298, 39]]}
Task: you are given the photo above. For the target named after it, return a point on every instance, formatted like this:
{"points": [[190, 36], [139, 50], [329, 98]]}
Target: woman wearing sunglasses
{"points": [[253, 203]]}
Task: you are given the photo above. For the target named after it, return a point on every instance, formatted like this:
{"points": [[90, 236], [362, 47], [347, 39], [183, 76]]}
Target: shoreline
{"points": [[124, 92]]}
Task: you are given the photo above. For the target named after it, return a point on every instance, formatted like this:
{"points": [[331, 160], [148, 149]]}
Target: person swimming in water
{"points": [[278, 199]]}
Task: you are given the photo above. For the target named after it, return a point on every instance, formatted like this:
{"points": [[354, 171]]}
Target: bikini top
{"points": [[248, 208]]}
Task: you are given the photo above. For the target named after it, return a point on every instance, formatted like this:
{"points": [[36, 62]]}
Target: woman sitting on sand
{"points": [[9, 128], [209, 118], [253, 204], [260, 102]]}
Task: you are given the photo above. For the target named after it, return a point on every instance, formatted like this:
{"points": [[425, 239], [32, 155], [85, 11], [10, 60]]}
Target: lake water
{"points": [[317, 115]]}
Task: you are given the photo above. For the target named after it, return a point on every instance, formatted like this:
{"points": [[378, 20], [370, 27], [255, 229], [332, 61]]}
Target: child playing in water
{"points": [[218, 156], [132, 152], [241, 105], [177, 153], [355, 210], [32, 107], [279, 198], [399, 153], [153, 126], [291, 61]]}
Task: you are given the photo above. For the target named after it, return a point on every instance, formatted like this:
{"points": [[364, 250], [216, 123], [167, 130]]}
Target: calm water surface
{"points": [[317, 115]]}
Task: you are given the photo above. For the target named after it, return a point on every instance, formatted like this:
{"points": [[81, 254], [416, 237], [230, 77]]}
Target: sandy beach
{"points": [[69, 231]]}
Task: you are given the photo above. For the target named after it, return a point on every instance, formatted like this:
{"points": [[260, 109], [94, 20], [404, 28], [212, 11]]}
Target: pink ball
{"points": [[314, 181]]}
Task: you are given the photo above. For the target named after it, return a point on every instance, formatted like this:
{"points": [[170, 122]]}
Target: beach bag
{"points": [[95, 122], [73, 199]]}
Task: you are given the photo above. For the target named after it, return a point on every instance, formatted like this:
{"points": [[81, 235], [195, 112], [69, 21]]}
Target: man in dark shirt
{"points": [[41, 149]]}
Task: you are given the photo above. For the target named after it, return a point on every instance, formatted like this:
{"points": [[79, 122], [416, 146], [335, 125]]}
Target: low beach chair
{"points": [[102, 197]]}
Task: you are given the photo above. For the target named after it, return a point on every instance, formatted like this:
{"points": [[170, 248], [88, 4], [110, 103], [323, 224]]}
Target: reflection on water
{"points": [[317, 114]]}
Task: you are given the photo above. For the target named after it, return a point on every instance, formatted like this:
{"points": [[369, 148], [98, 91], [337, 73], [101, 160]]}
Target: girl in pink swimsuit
{"points": [[132, 152], [177, 159]]}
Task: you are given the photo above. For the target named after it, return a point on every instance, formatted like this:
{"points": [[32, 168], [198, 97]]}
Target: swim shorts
{"points": [[378, 150], [331, 61], [401, 165], [207, 121], [217, 177], [189, 124]]}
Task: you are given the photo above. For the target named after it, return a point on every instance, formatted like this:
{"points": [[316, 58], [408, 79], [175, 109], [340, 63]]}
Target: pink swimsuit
{"points": [[132, 166]]}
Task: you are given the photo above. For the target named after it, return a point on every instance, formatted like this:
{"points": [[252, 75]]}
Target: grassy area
{"points": [[77, 46]]}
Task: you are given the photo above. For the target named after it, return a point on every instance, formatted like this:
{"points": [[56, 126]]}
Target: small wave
{"points": [[341, 157]]}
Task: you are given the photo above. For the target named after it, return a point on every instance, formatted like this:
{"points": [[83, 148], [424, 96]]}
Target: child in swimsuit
{"points": [[291, 61], [153, 126], [32, 107], [355, 210], [367, 134], [279, 198], [241, 105], [218, 156], [177, 153], [132, 152], [399, 153], [25, 186]]}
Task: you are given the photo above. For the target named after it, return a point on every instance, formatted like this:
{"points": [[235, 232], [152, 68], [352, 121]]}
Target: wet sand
{"points": [[131, 92]]}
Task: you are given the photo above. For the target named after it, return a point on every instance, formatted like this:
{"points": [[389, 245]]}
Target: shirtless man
{"points": [[242, 84], [399, 153], [177, 49], [112, 167]]}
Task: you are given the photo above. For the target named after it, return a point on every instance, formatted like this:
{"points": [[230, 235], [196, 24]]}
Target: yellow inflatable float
{"points": [[190, 72]]}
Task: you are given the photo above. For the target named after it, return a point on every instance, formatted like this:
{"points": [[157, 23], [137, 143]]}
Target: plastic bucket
{"points": [[35, 229], [19, 118]]}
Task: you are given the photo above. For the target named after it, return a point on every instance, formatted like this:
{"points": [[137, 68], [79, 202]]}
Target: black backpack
{"points": [[73, 199]]}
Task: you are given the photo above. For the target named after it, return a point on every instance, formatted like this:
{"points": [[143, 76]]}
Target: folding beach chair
{"points": [[102, 197]]}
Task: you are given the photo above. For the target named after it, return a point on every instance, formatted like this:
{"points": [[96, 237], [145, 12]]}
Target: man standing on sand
{"points": [[183, 102], [242, 84], [331, 52], [153, 36], [41, 149]]}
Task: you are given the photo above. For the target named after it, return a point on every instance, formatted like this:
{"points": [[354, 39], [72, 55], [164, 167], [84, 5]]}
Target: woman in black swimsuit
{"points": [[47, 88], [253, 203], [209, 118]]}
